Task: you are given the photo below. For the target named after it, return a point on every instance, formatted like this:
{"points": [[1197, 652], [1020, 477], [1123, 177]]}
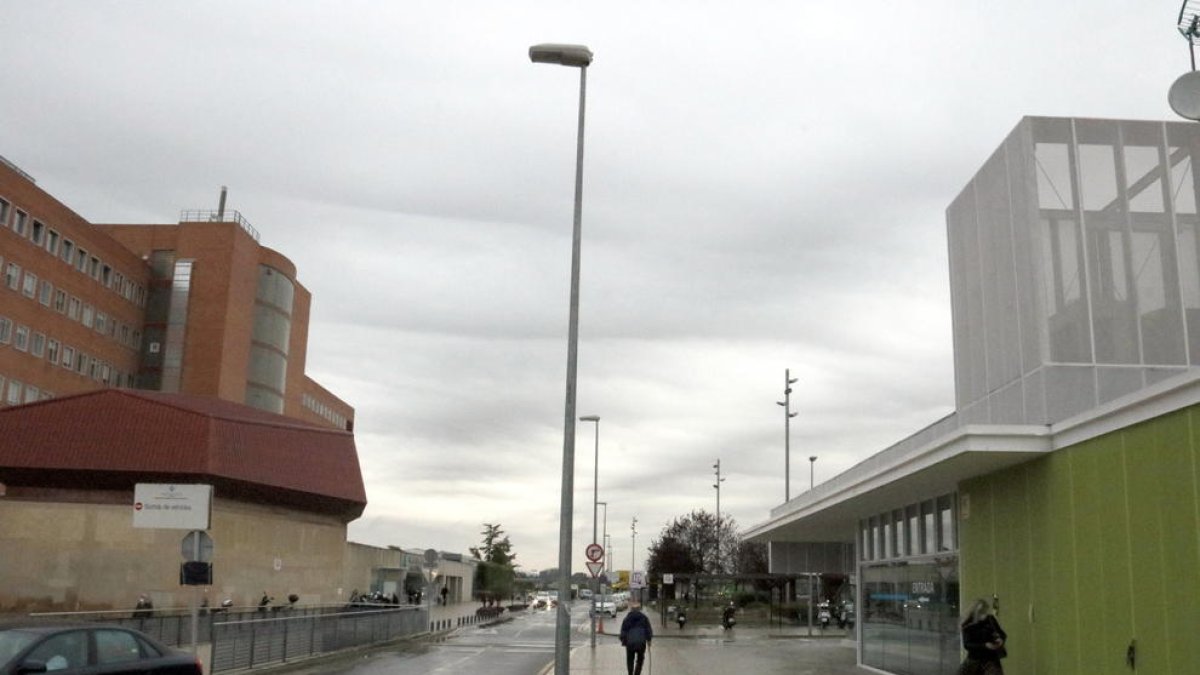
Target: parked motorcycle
{"points": [[824, 616]]}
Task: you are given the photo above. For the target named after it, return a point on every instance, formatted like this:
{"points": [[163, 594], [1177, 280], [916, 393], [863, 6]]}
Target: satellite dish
{"points": [[1184, 96]]}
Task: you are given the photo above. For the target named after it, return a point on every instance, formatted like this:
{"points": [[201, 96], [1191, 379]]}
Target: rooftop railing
{"points": [[211, 216]]}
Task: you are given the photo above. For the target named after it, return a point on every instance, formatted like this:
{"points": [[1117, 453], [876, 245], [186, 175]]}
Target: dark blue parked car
{"points": [[88, 648]]}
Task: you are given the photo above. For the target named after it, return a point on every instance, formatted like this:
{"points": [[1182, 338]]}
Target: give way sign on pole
{"points": [[595, 567]]}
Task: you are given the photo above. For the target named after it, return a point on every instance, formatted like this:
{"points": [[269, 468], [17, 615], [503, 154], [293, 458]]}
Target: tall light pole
{"points": [[812, 462], [595, 504], [632, 553], [575, 56], [788, 381], [717, 485], [604, 543]]}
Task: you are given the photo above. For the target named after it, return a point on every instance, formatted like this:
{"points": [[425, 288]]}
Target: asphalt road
{"points": [[523, 646]]}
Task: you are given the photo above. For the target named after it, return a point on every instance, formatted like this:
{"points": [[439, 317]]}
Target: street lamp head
{"points": [[590, 418], [813, 458], [576, 56], [780, 403]]}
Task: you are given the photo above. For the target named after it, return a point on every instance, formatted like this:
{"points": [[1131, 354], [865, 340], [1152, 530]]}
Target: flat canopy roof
{"points": [[934, 461]]}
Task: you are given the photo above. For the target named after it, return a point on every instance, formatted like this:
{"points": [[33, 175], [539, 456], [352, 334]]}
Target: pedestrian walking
{"points": [[636, 635], [984, 639]]}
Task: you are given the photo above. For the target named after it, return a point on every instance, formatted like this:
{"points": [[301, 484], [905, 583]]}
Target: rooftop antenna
{"points": [[1184, 95], [221, 204], [1189, 25]]}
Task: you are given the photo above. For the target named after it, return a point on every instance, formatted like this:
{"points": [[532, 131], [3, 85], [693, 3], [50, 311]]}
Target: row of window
{"points": [[38, 345], [926, 528], [50, 241], [15, 392], [324, 410], [43, 291]]}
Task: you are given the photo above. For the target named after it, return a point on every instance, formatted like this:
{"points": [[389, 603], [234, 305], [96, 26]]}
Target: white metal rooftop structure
{"points": [[1075, 290], [1074, 268]]}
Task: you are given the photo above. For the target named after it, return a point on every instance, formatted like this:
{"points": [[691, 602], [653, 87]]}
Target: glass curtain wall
{"points": [[910, 591], [266, 381]]}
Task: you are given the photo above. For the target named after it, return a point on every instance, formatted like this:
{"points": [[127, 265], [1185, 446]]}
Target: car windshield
{"points": [[12, 642]]}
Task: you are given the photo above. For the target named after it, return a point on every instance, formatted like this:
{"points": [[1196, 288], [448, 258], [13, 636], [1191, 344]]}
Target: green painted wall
{"points": [[1092, 547]]}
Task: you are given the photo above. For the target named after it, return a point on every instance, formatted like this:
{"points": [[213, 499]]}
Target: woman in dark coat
{"points": [[983, 638]]}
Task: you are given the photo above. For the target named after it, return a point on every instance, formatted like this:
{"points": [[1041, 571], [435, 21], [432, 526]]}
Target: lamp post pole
{"points": [[595, 508], [812, 462], [576, 56], [788, 381], [717, 485], [632, 555]]}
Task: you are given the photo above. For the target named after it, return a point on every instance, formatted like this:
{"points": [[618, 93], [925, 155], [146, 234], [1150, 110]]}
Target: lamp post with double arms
{"points": [[574, 56]]}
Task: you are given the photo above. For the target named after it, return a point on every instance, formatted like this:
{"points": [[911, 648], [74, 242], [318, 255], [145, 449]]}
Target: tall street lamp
{"points": [[788, 381], [717, 485], [575, 56], [604, 543], [632, 553], [595, 504], [812, 462]]}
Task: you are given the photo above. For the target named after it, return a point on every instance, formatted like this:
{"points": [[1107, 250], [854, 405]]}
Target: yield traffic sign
{"points": [[595, 567], [594, 552]]}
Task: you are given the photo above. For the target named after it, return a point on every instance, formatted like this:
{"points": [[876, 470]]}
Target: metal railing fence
{"points": [[258, 641]]}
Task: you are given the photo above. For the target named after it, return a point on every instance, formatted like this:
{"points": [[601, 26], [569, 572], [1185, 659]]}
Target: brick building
{"points": [[195, 307]]}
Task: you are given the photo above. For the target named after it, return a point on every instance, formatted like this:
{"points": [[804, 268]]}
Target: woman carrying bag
{"points": [[983, 638]]}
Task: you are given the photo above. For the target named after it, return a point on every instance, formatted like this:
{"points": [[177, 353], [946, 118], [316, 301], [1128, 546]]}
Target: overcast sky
{"points": [[764, 188]]}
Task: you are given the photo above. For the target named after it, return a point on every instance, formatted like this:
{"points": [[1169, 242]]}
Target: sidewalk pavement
{"points": [[710, 649]]}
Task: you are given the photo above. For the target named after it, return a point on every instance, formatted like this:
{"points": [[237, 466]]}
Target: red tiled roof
{"points": [[113, 438]]}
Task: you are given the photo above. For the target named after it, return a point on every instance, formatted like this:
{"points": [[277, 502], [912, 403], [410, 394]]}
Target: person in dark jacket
{"points": [[984, 639], [636, 635]]}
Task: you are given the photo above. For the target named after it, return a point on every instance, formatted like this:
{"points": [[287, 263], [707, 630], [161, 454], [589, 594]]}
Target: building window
{"points": [[12, 275], [94, 268], [4, 212], [89, 315], [5, 330], [29, 287], [912, 529], [81, 362], [68, 357], [52, 350], [946, 530], [81, 260], [14, 392], [31, 393], [928, 528], [21, 223], [38, 236], [67, 253], [106, 275], [52, 242], [117, 278], [60, 301], [37, 346], [45, 292], [73, 307], [101, 322], [21, 338]]}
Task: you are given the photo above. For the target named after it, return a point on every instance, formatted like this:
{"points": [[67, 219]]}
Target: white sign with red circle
{"points": [[594, 552]]}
